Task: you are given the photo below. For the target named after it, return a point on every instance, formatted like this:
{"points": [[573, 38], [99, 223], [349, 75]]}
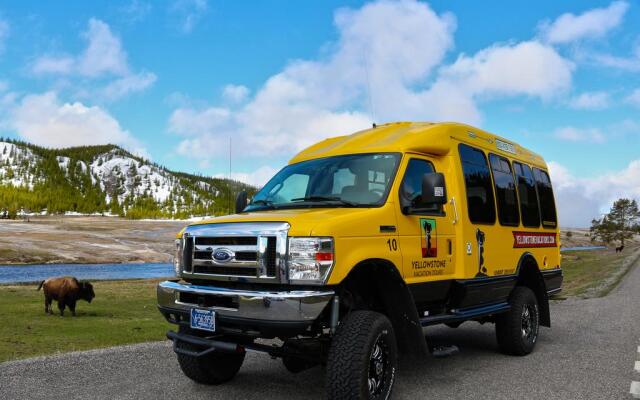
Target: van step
{"points": [[465, 314]]}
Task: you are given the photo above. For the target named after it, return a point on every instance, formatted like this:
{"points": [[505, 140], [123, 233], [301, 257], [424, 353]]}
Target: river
{"points": [[39, 272]]}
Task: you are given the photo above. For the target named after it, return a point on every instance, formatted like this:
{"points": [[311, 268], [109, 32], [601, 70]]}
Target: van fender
{"points": [[376, 285], [529, 275]]}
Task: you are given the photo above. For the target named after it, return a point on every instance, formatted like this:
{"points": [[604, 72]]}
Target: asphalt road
{"points": [[589, 353]]}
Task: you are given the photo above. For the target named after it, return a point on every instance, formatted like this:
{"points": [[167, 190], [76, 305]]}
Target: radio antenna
{"points": [[372, 114], [230, 188]]}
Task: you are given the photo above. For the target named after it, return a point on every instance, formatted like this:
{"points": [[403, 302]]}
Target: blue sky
{"points": [[174, 80]]}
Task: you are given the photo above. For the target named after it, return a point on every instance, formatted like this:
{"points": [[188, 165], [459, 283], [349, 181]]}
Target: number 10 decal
{"points": [[393, 244]]}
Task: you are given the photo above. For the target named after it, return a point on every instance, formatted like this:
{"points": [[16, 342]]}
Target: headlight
{"points": [[177, 257], [310, 259]]}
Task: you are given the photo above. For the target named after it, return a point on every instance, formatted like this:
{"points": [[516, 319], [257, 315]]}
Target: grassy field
{"points": [[123, 312], [595, 273]]}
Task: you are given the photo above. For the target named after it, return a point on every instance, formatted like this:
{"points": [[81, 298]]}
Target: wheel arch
{"points": [[529, 275], [376, 284]]}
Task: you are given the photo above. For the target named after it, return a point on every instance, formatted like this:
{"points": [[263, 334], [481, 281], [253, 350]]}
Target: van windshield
{"points": [[355, 180]]}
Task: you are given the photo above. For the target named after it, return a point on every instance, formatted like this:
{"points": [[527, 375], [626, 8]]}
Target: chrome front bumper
{"points": [[268, 306]]}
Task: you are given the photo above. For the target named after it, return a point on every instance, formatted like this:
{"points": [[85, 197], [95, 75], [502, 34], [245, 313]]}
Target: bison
{"points": [[67, 291]]}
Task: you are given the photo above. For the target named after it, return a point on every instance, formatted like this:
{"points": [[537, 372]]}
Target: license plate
{"points": [[203, 319]]}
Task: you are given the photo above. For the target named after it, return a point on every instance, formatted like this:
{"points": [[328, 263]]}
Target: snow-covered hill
{"points": [[14, 165], [113, 178]]}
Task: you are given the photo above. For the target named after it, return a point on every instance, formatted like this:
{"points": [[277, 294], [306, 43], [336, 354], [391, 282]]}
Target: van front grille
{"points": [[240, 255], [227, 241], [270, 256], [245, 259]]}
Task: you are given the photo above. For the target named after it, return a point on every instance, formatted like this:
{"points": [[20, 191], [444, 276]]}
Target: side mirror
{"points": [[241, 201], [434, 190]]}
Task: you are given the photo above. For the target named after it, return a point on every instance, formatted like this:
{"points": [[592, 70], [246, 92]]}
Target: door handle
{"points": [[455, 210]]}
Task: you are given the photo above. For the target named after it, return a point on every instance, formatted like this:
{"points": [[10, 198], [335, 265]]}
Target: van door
{"points": [[483, 246], [426, 236]]}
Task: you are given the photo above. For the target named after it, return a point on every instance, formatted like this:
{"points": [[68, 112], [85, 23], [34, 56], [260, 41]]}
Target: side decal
{"points": [[429, 238], [534, 239]]}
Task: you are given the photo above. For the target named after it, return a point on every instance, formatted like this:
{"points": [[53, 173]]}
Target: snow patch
{"points": [[15, 165], [63, 163]]}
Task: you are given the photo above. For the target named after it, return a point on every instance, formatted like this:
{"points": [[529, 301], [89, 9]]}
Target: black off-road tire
{"points": [[354, 356], [211, 369], [516, 336]]}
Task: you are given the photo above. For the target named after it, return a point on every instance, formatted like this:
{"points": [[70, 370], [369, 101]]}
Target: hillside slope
{"points": [[104, 179]]}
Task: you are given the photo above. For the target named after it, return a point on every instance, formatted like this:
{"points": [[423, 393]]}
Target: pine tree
{"points": [[621, 223]]}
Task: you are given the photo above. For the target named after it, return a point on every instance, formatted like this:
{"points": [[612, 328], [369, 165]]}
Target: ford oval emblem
{"points": [[222, 255]]}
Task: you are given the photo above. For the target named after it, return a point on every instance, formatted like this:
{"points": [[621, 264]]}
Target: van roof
{"points": [[417, 137]]}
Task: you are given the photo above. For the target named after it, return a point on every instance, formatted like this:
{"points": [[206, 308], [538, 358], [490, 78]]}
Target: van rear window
{"points": [[477, 179], [527, 195], [505, 191], [545, 194]]}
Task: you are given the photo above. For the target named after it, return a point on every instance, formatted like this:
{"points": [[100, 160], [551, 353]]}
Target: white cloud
{"points": [[44, 120], [629, 64], [590, 101], [190, 122], [53, 65], [8, 100], [4, 33], [581, 199], [104, 53], [256, 178], [136, 10], [178, 100], [310, 100], [387, 61], [189, 13], [529, 68], [625, 127], [103, 58], [128, 84], [573, 134], [634, 98], [235, 93], [592, 24]]}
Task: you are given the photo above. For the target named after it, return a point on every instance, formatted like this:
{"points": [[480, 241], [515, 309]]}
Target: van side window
{"points": [[505, 191], [411, 187], [477, 179], [527, 196], [545, 194]]}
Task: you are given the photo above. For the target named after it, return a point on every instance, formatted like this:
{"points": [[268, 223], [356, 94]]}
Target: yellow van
{"points": [[360, 243]]}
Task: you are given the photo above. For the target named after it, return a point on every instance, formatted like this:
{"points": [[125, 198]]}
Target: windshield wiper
{"points": [[327, 198], [261, 202]]}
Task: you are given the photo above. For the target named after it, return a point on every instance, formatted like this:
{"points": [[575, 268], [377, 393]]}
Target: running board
{"points": [[465, 314]]}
